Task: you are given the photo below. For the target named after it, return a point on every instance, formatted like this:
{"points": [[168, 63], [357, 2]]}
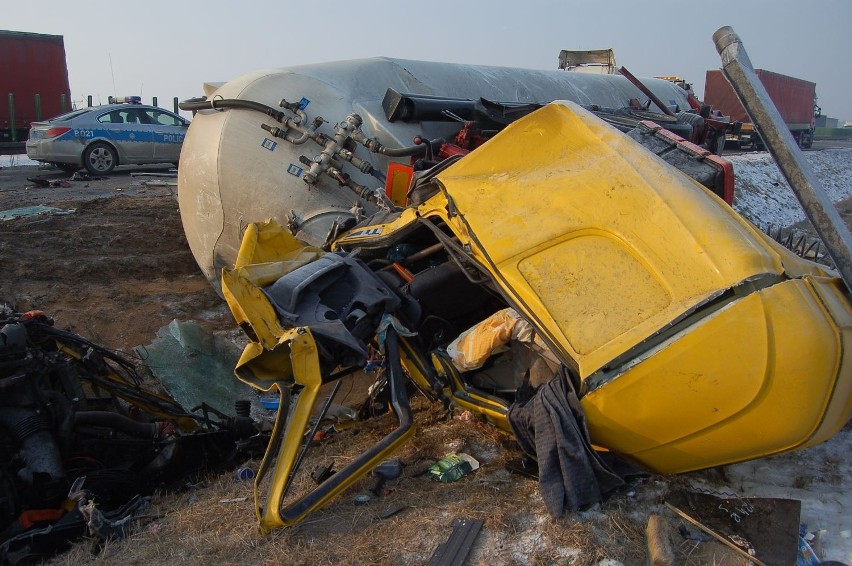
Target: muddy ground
{"points": [[115, 270]]}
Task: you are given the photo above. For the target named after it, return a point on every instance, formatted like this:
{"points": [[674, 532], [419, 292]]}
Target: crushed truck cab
{"points": [[692, 339]]}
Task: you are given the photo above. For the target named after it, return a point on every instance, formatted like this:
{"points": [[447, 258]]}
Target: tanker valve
{"points": [[291, 106], [344, 180], [274, 130], [309, 177], [363, 166]]}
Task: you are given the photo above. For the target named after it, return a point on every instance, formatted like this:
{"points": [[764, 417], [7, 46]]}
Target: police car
{"points": [[101, 137]]}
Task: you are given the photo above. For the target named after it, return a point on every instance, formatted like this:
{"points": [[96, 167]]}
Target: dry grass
{"points": [[206, 526]]}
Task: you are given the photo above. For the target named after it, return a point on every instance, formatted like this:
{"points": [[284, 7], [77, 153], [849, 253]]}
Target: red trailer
{"points": [[794, 98], [33, 84]]}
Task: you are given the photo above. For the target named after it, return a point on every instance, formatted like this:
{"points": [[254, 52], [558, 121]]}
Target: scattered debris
{"points": [[140, 174], [195, 366], [27, 211], [244, 474], [393, 511], [74, 412], [83, 176], [387, 470], [800, 243], [42, 182], [159, 184], [658, 542], [453, 467], [361, 499], [233, 500], [763, 530], [455, 550]]}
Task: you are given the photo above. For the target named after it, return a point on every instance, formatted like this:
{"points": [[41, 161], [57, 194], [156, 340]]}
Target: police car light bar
{"points": [[125, 99]]}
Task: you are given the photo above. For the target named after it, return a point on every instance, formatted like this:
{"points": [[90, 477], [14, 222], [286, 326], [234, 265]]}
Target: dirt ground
{"points": [[118, 268], [115, 270]]}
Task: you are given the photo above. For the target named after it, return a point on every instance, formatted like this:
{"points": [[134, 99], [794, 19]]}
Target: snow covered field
{"points": [[764, 197]]}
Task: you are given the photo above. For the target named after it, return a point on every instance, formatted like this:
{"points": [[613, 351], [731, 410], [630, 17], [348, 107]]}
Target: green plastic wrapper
{"points": [[452, 467]]}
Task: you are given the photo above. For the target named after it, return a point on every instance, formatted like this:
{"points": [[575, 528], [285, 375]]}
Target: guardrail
{"points": [[833, 133]]}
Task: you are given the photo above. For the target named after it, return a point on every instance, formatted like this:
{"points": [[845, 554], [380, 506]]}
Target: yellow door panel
{"points": [[754, 379]]}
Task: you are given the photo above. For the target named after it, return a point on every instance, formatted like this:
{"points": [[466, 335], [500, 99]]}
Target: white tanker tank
{"points": [[308, 145]]}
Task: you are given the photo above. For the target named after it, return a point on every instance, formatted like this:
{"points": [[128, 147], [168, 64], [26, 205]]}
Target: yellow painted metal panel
{"points": [[561, 173], [754, 379], [598, 300], [267, 252]]}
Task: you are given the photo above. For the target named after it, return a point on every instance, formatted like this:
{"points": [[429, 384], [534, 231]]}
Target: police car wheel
{"points": [[100, 158]]}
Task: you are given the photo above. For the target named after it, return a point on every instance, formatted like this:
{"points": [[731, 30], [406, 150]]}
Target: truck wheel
{"points": [[100, 158]]}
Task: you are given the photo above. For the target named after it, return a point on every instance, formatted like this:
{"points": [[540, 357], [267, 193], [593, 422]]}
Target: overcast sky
{"points": [[169, 49]]}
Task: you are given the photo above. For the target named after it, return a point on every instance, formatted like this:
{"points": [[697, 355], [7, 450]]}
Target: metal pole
{"points": [[646, 91], [778, 139], [89, 101], [154, 101], [38, 107], [12, 117], [176, 105]]}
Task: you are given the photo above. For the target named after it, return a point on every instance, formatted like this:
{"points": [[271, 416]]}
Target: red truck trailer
{"points": [[794, 98], [33, 84]]}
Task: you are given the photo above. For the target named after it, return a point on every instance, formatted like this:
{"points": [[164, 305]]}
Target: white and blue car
{"points": [[101, 137]]}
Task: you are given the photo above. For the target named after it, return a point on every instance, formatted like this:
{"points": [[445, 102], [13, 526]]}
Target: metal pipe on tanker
{"points": [[646, 91], [777, 137]]}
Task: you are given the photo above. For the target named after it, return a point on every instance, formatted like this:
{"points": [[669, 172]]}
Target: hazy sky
{"points": [[169, 49]]}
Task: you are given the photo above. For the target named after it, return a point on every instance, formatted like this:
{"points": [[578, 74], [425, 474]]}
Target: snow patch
{"points": [[763, 196], [16, 161]]}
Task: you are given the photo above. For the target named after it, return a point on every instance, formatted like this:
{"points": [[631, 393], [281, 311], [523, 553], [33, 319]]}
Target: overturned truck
{"points": [[485, 243]]}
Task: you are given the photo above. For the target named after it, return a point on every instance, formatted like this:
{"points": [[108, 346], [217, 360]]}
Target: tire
{"points": [[100, 159]]}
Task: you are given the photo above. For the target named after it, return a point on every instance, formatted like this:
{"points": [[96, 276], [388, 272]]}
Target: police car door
{"points": [[168, 135], [123, 128]]}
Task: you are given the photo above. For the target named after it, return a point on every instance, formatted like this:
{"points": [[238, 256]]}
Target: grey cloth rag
{"points": [[551, 428]]}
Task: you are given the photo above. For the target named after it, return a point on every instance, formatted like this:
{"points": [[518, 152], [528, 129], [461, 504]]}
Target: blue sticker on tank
{"points": [[295, 170], [269, 144], [303, 103]]}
